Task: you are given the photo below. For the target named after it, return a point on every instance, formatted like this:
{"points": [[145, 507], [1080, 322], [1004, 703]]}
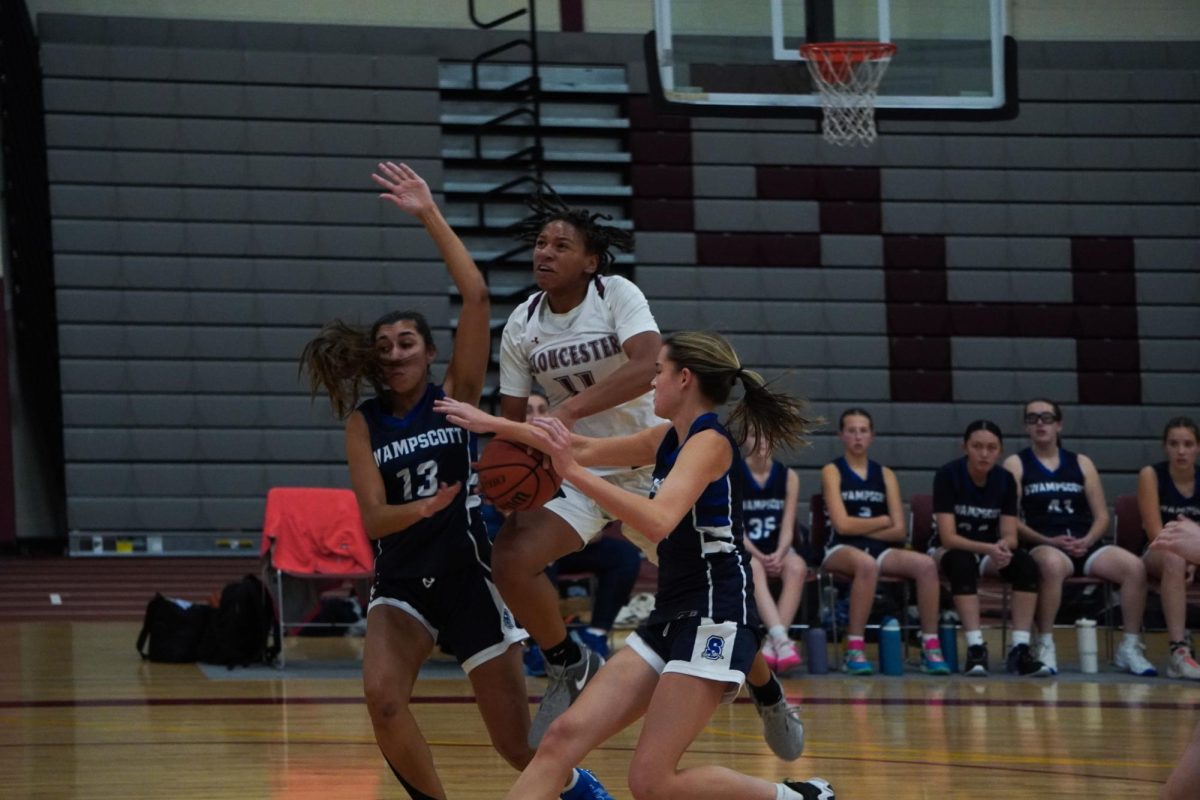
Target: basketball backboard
{"points": [[742, 57]]}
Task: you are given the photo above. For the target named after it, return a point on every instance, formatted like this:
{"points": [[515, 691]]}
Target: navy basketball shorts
{"points": [[461, 610], [700, 647], [872, 547], [1081, 566]]}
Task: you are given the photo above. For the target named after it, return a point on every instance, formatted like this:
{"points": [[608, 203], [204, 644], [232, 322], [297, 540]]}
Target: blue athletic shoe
{"points": [[588, 787], [596, 642], [535, 663]]}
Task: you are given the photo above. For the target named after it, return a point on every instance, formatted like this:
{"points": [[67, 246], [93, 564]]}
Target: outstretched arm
{"points": [[704, 458], [634, 450], [465, 374]]}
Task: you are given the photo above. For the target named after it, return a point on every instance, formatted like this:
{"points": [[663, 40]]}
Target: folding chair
{"points": [[921, 522], [313, 534], [1130, 533]]}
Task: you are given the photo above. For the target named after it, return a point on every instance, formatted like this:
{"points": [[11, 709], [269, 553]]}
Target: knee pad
{"points": [[1022, 572], [961, 567]]}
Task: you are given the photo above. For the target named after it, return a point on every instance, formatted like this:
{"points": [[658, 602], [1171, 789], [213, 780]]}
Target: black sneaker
{"points": [[977, 660], [811, 789], [1021, 661]]}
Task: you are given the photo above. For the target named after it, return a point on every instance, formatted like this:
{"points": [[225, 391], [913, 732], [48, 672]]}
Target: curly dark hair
{"points": [[598, 239]]}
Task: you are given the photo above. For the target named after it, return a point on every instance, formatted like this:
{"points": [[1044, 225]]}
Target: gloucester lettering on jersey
{"points": [[574, 355], [411, 444], [862, 496], [976, 512], [762, 504], [1042, 487]]}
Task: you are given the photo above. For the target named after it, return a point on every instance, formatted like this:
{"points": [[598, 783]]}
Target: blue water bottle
{"points": [[948, 635], [891, 662], [817, 651]]}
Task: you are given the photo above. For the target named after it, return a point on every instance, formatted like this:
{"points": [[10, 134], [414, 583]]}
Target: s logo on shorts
{"points": [[714, 648]]}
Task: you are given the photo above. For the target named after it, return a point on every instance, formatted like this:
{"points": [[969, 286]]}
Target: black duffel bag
{"points": [[173, 629]]}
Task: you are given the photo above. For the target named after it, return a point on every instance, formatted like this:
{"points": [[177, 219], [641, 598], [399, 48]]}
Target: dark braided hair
{"points": [[342, 357], [598, 239]]}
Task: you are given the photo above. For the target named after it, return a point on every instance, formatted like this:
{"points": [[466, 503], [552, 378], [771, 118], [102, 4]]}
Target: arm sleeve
{"points": [[943, 492], [1008, 504], [631, 312], [515, 380]]}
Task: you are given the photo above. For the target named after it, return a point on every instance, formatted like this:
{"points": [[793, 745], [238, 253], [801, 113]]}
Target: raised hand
{"points": [[404, 188]]}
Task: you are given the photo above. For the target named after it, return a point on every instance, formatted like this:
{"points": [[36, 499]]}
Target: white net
{"points": [[848, 75]]}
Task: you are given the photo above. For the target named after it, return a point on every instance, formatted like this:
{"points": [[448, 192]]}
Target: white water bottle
{"points": [[1085, 632]]}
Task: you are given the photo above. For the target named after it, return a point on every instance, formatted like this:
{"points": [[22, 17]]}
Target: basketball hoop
{"points": [[848, 74]]}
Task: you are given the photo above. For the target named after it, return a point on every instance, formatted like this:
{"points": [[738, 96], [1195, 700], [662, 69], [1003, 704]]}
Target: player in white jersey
{"points": [[590, 342]]}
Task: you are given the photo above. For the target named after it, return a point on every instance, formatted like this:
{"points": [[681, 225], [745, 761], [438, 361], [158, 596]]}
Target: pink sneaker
{"points": [[787, 657], [769, 655]]}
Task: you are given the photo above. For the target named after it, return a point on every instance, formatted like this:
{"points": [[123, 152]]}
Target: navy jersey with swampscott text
{"points": [[1172, 503], [862, 498], [762, 506], [703, 569], [415, 453], [976, 509], [1054, 502]]}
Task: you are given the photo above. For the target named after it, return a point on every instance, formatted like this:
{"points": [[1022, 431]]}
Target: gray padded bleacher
{"points": [[212, 207]]}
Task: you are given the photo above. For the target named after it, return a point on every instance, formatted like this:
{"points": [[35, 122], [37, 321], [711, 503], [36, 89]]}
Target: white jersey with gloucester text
{"points": [[567, 353]]}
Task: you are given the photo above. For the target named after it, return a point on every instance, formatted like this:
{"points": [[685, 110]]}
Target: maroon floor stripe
{"points": [[458, 700]]}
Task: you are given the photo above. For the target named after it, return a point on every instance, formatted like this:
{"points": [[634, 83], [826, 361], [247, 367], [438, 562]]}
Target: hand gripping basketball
{"points": [[513, 479]]}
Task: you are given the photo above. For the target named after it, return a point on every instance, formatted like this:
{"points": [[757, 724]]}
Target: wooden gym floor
{"points": [[81, 716]]}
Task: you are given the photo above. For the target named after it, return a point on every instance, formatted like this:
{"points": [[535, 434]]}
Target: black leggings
{"points": [[962, 568]]}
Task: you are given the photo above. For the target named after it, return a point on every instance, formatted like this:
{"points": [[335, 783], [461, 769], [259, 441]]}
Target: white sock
{"points": [[1130, 639], [1020, 637], [1046, 638], [784, 793], [778, 633], [973, 637], [571, 783]]}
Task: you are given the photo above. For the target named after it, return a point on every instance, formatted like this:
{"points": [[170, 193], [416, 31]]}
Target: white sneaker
{"points": [[636, 611], [1129, 657], [1048, 655], [1182, 665]]}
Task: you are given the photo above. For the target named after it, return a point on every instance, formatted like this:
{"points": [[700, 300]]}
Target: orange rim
{"points": [[835, 61], [848, 52]]}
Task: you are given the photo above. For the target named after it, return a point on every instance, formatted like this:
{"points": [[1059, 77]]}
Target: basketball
{"points": [[512, 479]]}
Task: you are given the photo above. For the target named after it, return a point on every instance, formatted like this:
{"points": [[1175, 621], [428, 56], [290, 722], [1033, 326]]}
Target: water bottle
{"points": [[948, 635], [1085, 632], [891, 662], [815, 645]]}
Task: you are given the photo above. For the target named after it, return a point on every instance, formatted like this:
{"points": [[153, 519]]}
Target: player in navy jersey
{"points": [[769, 494], [700, 641], [1168, 490], [975, 508], [411, 472], [1181, 537], [867, 534], [1063, 520]]}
